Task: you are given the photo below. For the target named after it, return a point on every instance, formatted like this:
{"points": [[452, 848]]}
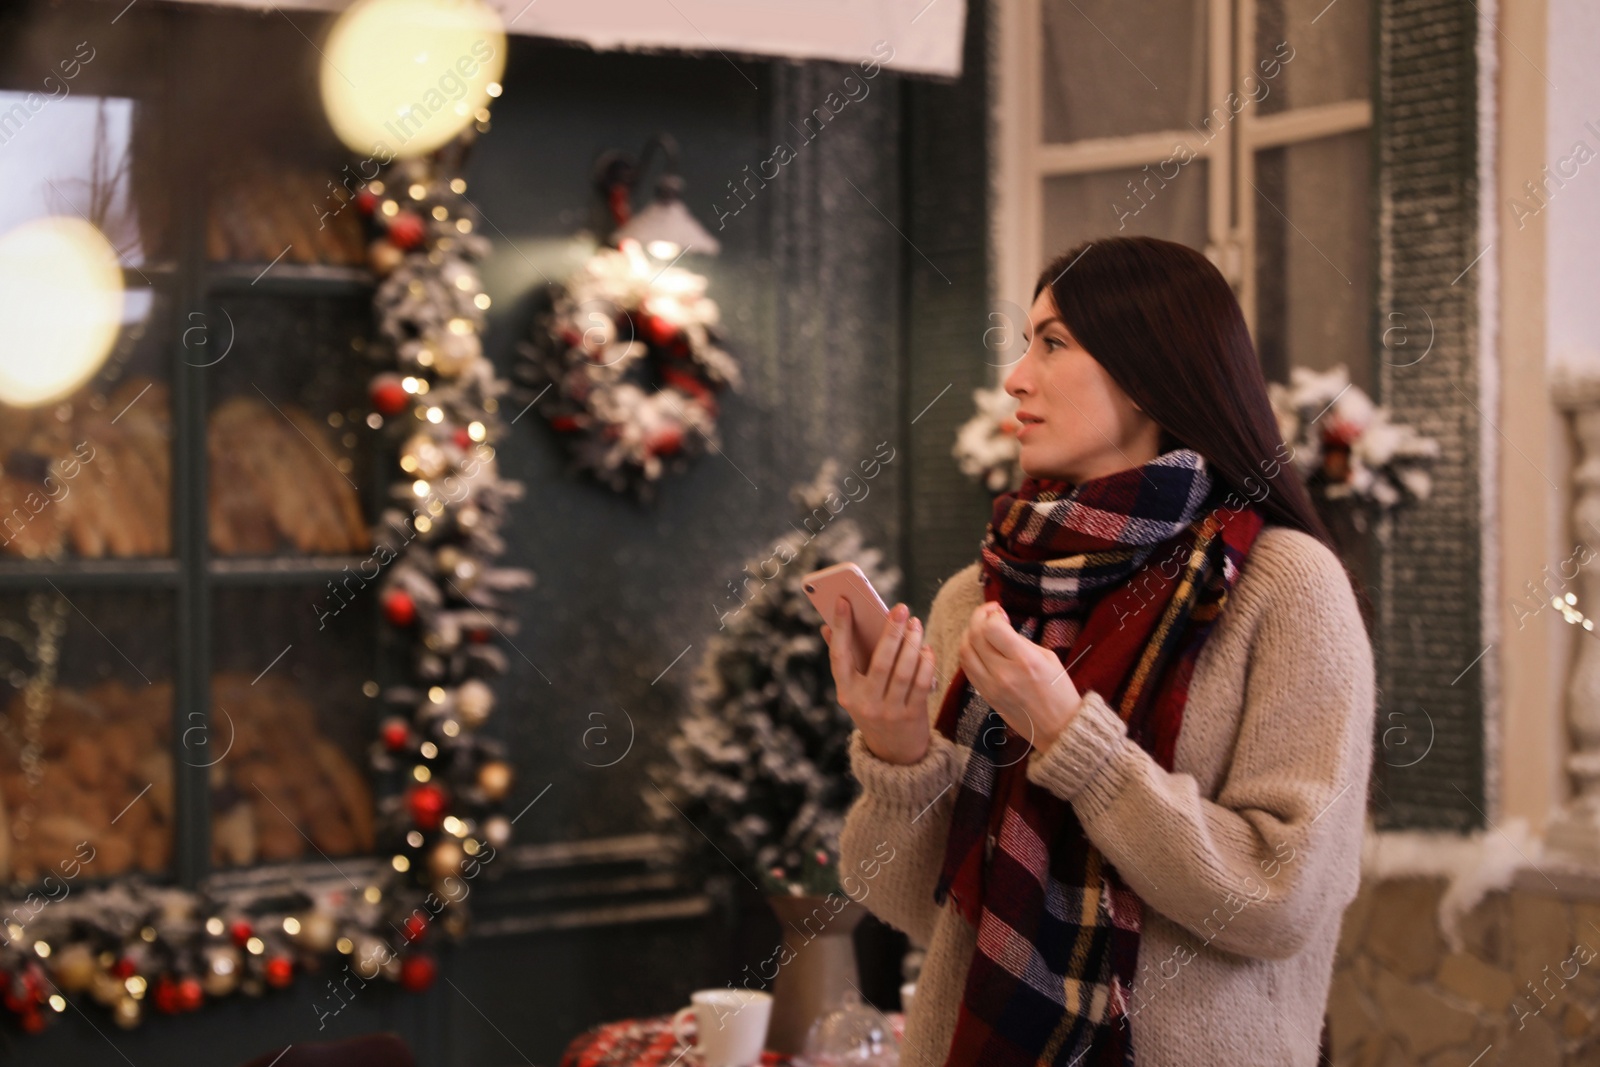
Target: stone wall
{"points": [[1521, 988]]}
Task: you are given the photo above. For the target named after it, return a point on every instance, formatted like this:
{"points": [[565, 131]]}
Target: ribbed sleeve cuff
{"points": [[1080, 764], [907, 787]]}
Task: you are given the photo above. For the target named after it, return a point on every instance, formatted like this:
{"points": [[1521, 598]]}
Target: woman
{"points": [[1127, 820]]}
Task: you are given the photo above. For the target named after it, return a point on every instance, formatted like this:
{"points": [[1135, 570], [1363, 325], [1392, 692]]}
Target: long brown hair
{"points": [[1163, 322]]}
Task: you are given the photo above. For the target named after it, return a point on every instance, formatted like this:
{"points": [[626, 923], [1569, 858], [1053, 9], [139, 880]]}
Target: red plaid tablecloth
{"points": [[648, 1042]]}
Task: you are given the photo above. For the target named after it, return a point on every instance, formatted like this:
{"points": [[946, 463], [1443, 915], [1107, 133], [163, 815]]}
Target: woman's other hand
{"points": [[1022, 681], [889, 703]]}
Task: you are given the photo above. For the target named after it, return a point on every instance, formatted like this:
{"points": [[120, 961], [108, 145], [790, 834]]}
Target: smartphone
{"points": [[868, 613]]}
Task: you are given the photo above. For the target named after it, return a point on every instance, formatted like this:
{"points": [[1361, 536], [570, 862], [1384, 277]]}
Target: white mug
{"points": [[730, 1025]]}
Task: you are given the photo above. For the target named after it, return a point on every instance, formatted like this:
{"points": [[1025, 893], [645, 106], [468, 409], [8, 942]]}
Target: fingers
{"points": [[923, 685], [883, 657], [906, 663], [994, 629], [976, 650], [839, 655]]}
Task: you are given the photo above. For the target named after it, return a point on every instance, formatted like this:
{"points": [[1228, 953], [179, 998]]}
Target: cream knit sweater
{"points": [[1245, 854]]}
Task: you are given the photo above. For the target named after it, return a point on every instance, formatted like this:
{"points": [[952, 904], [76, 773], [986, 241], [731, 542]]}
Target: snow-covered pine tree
{"points": [[760, 763]]}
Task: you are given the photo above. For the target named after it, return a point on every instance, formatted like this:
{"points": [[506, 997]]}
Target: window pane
{"points": [[280, 186], [89, 475], [1313, 210], [86, 772], [287, 440], [1122, 203], [1311, 53], [288, 709], [88, 157], [1115, 67]]}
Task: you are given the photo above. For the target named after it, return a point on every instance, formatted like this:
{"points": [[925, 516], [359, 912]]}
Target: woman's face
{"points": [[1075, 422]]}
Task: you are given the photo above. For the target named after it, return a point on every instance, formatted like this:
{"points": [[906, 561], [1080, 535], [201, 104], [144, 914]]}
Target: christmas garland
{"points": [[441, 781], [437, 541], [625, 364]]}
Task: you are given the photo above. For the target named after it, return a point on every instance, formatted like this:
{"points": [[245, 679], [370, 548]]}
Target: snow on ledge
{"points": [[1474, 865]]}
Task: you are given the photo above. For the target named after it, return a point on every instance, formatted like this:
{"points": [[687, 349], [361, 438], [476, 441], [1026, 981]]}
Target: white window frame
{"points": [[1023, 161]]}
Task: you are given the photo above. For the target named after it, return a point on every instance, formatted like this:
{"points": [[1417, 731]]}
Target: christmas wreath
{"points": [[625, 363], [1348, 449]]}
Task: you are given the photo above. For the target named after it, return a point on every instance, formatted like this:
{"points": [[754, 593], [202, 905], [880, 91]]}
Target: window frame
{"points": [[1024, 161]]}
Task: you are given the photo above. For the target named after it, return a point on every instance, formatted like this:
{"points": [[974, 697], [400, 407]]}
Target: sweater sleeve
{"points": [[900, 820], [1261, 868], [902, 817]]}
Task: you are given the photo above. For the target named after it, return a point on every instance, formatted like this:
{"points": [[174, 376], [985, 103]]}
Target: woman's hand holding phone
{"points": [[889, 703]]}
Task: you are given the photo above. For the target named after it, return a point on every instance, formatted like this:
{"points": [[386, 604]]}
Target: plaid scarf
{"points": [[1121, 577]]}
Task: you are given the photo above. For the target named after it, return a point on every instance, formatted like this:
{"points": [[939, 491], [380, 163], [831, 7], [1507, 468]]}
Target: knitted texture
{"points": [[1245, 853]]}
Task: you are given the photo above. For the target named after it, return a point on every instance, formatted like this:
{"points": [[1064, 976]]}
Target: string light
{"points": [[1567, 605]]}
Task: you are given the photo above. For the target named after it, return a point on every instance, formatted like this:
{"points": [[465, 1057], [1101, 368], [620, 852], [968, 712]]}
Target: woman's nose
{"points": [[1016, 382]]}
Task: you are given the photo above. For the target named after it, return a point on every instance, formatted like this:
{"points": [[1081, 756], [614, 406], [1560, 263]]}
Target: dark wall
{"points": [[808, 285]]}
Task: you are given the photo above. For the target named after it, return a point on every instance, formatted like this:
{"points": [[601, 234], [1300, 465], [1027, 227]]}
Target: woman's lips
{"points": [[1025, 423]]}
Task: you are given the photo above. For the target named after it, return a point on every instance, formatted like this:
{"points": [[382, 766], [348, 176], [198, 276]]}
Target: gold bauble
{"points": [[318, 931], [494, 778], [127, 1012], [456, 352], [383, 256], [73, 967], [497, 831], [106, 988], [445, 860], [423, 458], [474, 701], [224, 967]]}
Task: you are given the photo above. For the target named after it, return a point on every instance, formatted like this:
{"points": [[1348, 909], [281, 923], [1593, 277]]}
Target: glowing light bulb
{"points": [[393, 72], [61, 301]]}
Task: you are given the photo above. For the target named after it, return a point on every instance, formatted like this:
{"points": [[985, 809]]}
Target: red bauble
{"points": [[478, 635], [168, 1002], [665, 442], [389, 397], [396, 734], [124, 968], [279, 971], [241, 932], [190, 995], [399, 608], [657, 330], [16, 998], [32, 1021], [426, 804], [417, 972], [407, 230], [366, 201], [415, 927], [463, 439]]}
